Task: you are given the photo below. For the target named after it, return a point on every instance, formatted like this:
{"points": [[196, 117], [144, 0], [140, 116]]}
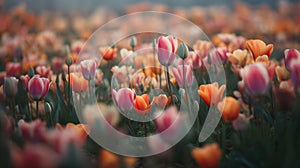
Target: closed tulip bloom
{"points": [[38, 87], [208, 156], [124, 98], [211, 94], [229, 108], [25, 79], [108, 53], [43, 71], [259, 48], [188, 72], [88, 68], [167, 47], [282, 73], [13, 69], [256, 78], [78, 83], [219, 55], [10, 87], [290, 55], [142, 105]]}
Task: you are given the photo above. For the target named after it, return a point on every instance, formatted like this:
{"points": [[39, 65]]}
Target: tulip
{"points": [[108, 53], [211, 94], [25, 79], [295, 74], [81, 129], [188, 74], [229, 108], [78, 83], [289, 56], [108, 160], [38, 87], [142, 105], [162, 100], [167, 47], [282, 73], [88, 68], [10, 87], [238, 57], [259, 48], [13, 69], [2, 77], [183, 51], [57, 63], [208, 156], [241, 122], [194, 59], [124, 98], [256, 78], [202, 48], [43, 71], [219, 55], [166, 119]]}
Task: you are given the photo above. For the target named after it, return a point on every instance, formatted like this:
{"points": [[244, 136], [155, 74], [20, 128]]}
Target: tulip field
{"points": [[150, 86]]}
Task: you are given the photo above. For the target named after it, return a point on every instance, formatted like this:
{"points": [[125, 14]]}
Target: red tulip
{"points": [[38, 87], [124, 98], [256, 78], [167, 47], [13, 69]]}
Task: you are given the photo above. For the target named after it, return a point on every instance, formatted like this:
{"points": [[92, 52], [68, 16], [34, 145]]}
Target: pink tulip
{"points": [[256, 78], [219, 55], [188, 72], [124, 98], [88, 68], [38, 87], [295, 74], [57, 64], [43, 71], [25, 79], [291, 55], [2, 77], [13, 69], [167, 47]]}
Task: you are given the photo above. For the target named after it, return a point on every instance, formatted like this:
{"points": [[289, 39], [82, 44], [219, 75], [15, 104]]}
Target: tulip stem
{"points": [[69, 87], [37, 109], [168, 83]]}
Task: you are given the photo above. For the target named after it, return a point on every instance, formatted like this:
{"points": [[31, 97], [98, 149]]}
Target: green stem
{"points": [[168, 83], [37, 109]]}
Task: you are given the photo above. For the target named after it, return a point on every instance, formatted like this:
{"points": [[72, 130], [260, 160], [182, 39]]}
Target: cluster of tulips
{"points": [[48, 89]]}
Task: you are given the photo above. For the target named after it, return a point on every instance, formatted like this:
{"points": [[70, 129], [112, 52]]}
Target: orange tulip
{"points": [[108, 53], [229, 108], [211, 94], [259, 48], [108, 160], [78, 83], [207, 156], [142, 105], [81, 129]]}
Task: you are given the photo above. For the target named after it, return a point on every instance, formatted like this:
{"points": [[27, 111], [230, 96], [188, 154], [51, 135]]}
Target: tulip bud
{"points": [[31, 72], [133, 42], [167, 47], [38, 87], [10, 87], [183, 51], [178, 74], [229, 108], [69, 60]]}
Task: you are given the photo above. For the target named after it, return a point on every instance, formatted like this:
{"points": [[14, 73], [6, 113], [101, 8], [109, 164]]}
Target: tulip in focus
{"points": [[259, 48], [38, 87], [188, 74], [142, 105], [256, 78], [88, 68], [208, 156], [229, 108], [167, 47], [211, 94], [124, 98]]}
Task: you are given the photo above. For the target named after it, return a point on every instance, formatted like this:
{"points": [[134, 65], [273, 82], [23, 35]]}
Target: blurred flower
{"points": [[182, 51], [238, 57], [108, 53], [78, 83], [202, 48], [88, 68], [130, 161], [57, 63], [259, 48], [124, 98], [13, 69], [81, 129], [226, 38], [162, 100], [122, 73], [77, 46], [211, 94], [208, 156], [241, 123], [99, 76], [178, 74], [290, 55], [10, 87], [43, 71], [285, 95], [167, 47], [2, 77], [33, 131], [194, 59], [25, 79], [256, 78], [229, 108], [219, 55], [295, 74], [108, 160], [142, 105], [282, 73], [38, 87]]}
